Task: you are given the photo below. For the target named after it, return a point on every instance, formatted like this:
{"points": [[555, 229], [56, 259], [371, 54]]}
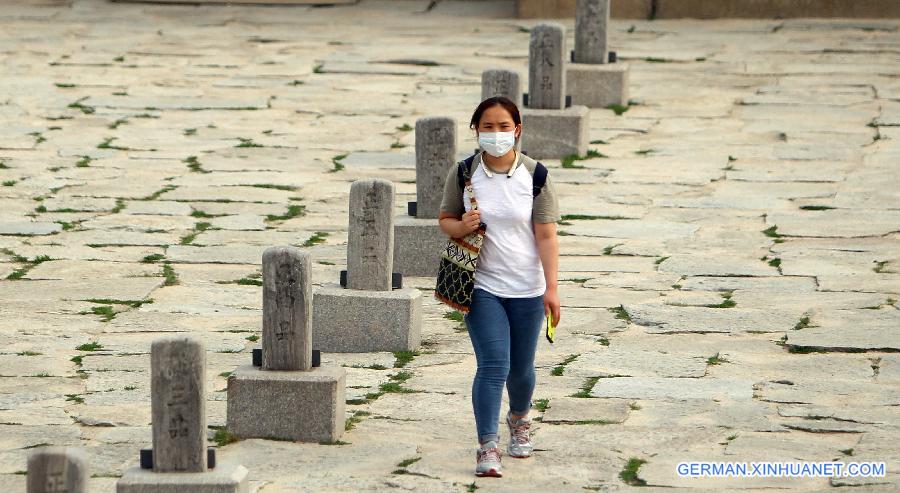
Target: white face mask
{"points": [[497, 143]]}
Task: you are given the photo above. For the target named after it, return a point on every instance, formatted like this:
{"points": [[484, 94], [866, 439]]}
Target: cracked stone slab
{"points": [[673, 388], [658, 318], [737, 415], [878, 331], [626, 361], [226, 254], [836, 223], [834, 393], [573, 410], [775, 284], [713, 264], [29, 228]]}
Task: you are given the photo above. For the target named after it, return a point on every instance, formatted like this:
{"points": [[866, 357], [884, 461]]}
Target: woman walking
{"points": [[515, 281]]}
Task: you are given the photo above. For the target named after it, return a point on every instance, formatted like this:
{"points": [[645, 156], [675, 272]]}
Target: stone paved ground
{"points": [[729, 267]]}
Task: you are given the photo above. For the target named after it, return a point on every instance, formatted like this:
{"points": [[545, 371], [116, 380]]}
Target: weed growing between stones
{"points": [[569, 161], [244, 281], [716, 360], [459, 318], [620, 313], [586, 388], [20, 272], [772, 232], [402, 358], [336, 162], [406, 463], [318, 237], [618, 109], [170, 275], [89, 346], [87, 110], [194, 165], [293, 210], [588, 217], [629, 473], [76, 398], [198, 228], [354, 419], [560, 368], [247, 143], [608, 250], [727, 302], [222, 437]]}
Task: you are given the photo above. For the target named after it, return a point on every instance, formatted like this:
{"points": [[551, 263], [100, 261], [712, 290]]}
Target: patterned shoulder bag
{"points": [[456, 274]]}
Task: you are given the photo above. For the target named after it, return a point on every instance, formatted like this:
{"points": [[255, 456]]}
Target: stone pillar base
{"points": [[555, 134], [358, 321], [418, 244], [305, 406], [224, 478], [597, 85]]}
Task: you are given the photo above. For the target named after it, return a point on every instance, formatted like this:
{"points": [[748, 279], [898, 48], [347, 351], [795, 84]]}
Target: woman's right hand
{"points": [[471, 220]]}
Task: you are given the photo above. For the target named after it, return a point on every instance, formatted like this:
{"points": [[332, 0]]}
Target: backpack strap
{"points": [[538, 179], [464, 171]]}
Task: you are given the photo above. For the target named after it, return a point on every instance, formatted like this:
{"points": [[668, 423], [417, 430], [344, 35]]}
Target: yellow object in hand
{"points": [[551, 330]]}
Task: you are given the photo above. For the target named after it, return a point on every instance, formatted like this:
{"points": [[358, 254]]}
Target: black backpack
{"points": [[538, 178]]}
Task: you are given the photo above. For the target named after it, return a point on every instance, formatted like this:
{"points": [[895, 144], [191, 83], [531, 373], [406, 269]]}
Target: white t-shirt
{"points": [[509, 265]]}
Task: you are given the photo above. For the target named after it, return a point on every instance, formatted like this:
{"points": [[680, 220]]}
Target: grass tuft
{"points": [[629, 472], [222, 437], [716, 360], [315, 239], [293, 211], [586, 388], [89, 346], [560, 368], [404, 357], [620, 313]]}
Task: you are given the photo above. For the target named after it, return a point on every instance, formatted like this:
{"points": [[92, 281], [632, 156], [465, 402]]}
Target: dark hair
{"points": [[507, 104]]}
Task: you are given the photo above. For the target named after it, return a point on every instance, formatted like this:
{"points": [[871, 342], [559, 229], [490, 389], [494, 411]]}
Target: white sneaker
{"points": [[488, 456], [519, 437]]}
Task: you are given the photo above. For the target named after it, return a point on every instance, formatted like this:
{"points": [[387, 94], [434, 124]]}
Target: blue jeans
{"points": [[504, 334]]}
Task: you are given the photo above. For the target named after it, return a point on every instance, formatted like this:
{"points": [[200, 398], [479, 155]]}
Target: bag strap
{"points": [[538, 179], [464, 171]]}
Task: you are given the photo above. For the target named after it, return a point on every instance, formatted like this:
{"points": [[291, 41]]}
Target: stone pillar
{"points": [[435, 154], [370, 242], [591, 38], [178, 413], [178, 404], [546, 59], [287, 398], [57, 470], [286, 335], [501, 83]]}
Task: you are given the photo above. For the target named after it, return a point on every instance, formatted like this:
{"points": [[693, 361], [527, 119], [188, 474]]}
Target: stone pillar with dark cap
{"points": [[551, 129], [287, 397], [371, 311]]}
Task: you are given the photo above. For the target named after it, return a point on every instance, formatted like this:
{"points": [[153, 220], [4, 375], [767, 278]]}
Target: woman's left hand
{"points": [[551, 305]]}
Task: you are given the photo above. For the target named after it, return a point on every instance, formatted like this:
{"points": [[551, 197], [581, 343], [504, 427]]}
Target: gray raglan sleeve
{"points": [[452, 203], [546, 204]]}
